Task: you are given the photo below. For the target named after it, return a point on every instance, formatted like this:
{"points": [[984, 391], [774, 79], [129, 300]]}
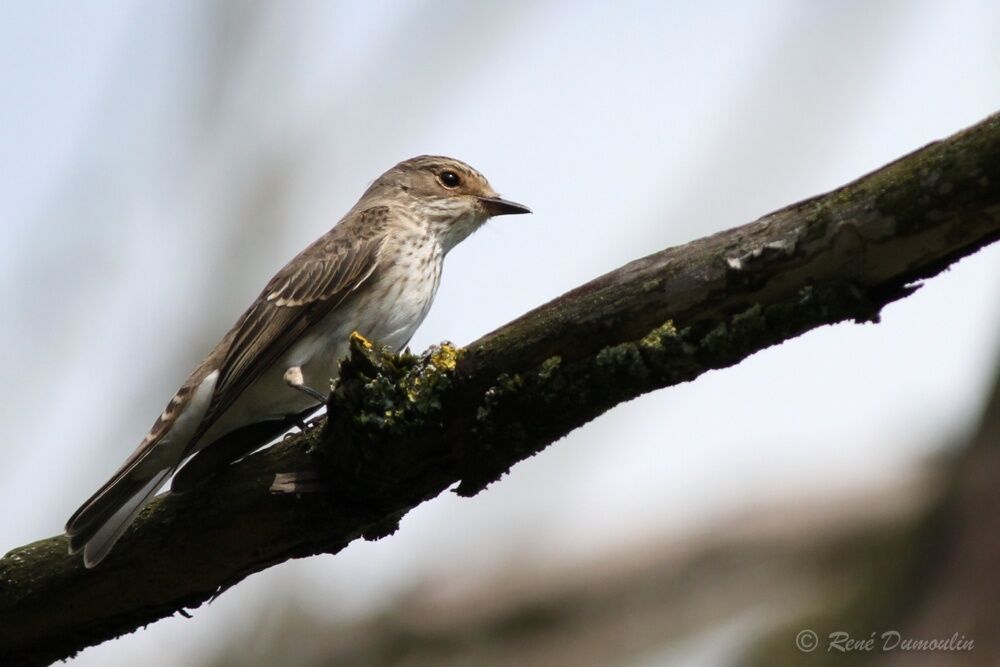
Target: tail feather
{"points": [[97, 525], [106, 534]]}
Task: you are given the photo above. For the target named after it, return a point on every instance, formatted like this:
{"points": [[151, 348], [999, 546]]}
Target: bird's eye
{"points": [[449, 179]]}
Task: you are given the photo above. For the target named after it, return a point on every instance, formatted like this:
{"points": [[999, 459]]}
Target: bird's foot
{"points": [[293, 378]]}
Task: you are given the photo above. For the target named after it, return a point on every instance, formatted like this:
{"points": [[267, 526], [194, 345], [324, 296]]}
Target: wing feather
{"points": [[299, 296]]}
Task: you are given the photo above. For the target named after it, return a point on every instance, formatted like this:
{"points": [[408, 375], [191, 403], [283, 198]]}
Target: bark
{"points": [[402, 429]]}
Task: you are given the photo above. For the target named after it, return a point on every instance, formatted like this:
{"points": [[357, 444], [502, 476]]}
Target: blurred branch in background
{"points": [[700, 600], [958, 590], [929, 578], [418, 426]]}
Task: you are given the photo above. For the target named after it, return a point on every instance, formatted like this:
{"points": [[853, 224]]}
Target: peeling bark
{"points": [[403, 428]]}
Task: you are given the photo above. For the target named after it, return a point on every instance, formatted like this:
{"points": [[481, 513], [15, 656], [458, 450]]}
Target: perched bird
{"points": [[375, 272]]}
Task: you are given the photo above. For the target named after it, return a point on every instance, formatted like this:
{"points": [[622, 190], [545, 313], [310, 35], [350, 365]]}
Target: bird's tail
{"points": [[97, 525]]}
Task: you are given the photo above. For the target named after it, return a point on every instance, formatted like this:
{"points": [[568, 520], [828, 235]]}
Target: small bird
{"points": [[375, 272]]}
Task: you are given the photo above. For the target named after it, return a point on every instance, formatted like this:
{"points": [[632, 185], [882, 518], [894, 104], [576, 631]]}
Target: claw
{"points": [[294, 379]]}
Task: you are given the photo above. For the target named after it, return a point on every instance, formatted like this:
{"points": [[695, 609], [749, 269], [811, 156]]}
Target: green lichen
{"points": [[359, 340], [659, 337], [651, 285], [942, 177], [430, 376], [381, 391], [549, 368], [620, 359], [445, 356], [816, 225], [520, 412]]}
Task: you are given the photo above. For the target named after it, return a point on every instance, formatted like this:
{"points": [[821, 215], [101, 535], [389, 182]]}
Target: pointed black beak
{"points": [[496, 206]]}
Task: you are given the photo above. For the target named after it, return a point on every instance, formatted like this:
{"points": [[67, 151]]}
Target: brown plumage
{"points": [[375, 272]]}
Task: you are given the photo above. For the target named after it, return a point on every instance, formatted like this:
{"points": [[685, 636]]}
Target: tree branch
{"points": [[403, 429]]}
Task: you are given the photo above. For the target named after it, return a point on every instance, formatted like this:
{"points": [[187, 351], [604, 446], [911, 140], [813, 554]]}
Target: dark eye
{"points": [[449, 179]]}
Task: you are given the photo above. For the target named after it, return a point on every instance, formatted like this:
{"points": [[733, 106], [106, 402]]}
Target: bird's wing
{"points": [[299, 296], [302, 293]]}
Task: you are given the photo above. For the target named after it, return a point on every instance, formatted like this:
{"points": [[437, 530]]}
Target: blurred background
{"points": [[160, 160]]}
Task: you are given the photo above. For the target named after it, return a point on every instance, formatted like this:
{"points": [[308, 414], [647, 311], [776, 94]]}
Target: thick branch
{"points": [[403, 429]]}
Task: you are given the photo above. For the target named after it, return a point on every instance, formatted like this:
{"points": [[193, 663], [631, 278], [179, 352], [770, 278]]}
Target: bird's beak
{"points": [[497, 206]]}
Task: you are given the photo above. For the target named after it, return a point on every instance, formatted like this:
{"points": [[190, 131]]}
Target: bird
{"points": [[375, 272]]}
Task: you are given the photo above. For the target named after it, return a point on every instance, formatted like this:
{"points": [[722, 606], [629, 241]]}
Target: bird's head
{"points": [[450, 196]]}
